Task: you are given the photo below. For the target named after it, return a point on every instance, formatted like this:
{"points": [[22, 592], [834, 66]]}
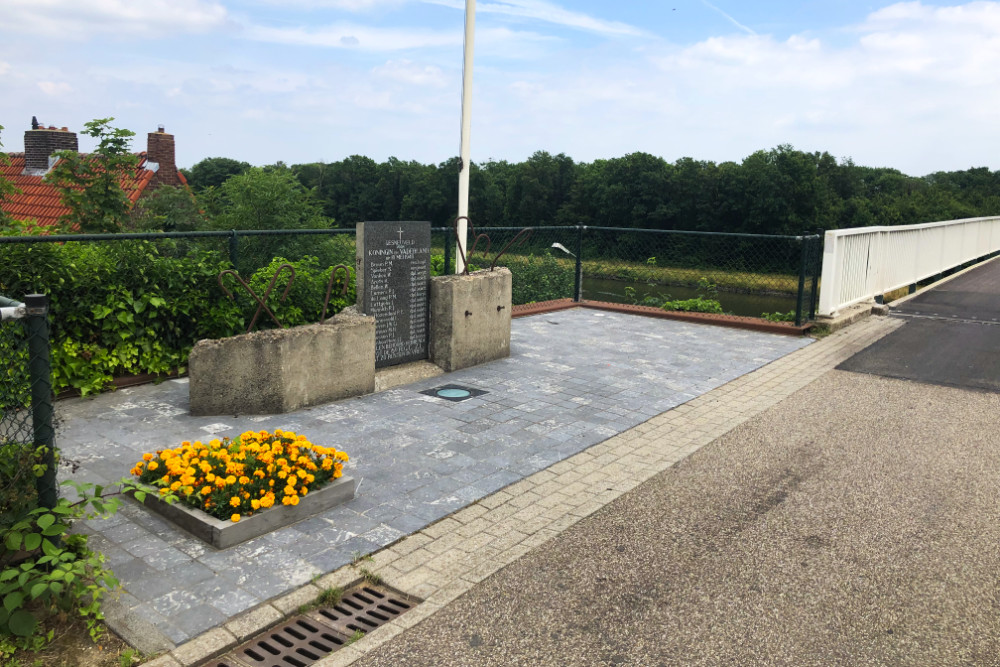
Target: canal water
{"points": [[736, 303]]}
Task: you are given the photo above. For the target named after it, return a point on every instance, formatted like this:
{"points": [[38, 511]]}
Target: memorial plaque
{"points": [[393, 281]]}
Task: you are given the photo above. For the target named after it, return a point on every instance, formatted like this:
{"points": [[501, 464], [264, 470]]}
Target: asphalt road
{"points": [[856, 523]]}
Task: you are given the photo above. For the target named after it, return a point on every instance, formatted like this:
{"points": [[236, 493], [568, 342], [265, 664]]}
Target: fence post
{"points": [[803, 263], [447, 255], [40, 373], [234, 248], [578, 281], [817, 257]]}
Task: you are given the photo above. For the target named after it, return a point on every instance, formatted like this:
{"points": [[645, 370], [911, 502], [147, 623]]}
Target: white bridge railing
{"points": [[864, 262]]}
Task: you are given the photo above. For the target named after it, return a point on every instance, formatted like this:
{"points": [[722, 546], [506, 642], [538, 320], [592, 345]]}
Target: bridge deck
{"points": [[951, 336]]}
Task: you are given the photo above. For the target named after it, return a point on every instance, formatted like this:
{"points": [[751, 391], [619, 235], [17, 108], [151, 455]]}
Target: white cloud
{"points": [[55, 88], [4, 67], [548, 12], [365, 38], [76, 19], [410, 73], [344, 5]]}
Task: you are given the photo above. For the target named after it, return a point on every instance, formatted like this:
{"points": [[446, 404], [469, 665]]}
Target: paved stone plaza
{"points": [[574, 379]]}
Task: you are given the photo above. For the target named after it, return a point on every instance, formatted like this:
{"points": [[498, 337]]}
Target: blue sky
{"points": [[910, 85]]}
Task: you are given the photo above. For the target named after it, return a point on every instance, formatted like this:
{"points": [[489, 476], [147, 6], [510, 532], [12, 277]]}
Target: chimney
{"points": [[160, 149], [42, 142]]}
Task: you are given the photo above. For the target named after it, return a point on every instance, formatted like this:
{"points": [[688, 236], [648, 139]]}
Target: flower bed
{"points": [[233, 479]]}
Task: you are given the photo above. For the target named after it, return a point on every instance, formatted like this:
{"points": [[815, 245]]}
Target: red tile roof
{"points": [[39, 199]]}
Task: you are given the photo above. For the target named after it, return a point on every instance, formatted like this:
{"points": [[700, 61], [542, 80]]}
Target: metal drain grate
{"points": [[304, 639], [364, 608]]}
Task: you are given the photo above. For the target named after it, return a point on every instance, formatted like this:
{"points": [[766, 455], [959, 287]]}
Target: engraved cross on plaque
{"points": [[400, 232]]}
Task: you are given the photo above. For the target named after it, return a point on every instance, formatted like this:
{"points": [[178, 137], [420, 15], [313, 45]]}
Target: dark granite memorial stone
{"points": [[393, 281]]}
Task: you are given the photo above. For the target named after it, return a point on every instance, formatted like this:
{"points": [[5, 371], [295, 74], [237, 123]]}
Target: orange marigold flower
{"points": [[147, 457], [235, 501], [235, 518], [153, 465], [206, 491]]}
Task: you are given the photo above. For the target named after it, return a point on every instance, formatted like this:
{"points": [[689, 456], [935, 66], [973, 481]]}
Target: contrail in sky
{"points": [[729, 18]]}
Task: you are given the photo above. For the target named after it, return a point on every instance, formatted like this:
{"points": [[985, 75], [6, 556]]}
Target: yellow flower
{"points": [[175, 486], [255, 504], [244, 480], [292, 480], [147, 457], [153, 465], [304, 490], [235, 518], [209, 478], [206, 491], [231, 479], [295, 500], [235, 501]]}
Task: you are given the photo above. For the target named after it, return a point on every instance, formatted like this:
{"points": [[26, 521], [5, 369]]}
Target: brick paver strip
{"points": [[584, 483]]}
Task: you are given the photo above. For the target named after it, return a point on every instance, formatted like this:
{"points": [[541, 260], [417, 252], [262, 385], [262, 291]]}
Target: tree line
{"points": [[777, 191]]}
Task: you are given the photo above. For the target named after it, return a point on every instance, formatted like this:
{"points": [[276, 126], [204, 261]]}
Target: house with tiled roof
{"points": [[39, 200]]}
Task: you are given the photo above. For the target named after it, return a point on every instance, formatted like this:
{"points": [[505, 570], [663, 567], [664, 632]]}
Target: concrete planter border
{"points": [[224, 534]]}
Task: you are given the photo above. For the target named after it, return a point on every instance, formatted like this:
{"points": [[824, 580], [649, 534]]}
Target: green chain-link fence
{"points": [[133, 304], [27, 438]]}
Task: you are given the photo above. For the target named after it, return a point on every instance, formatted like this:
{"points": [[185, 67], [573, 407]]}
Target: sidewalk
{"points": [[575, 565], [574, 379]]}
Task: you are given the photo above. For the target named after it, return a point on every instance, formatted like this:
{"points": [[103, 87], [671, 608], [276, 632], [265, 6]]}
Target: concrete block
{"points": [[212, 643], [280, 370], [224, 534], [470, 318], [257, 620]]}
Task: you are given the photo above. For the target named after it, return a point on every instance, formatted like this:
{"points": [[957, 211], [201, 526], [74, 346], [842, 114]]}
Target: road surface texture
{"points": [[856, 522]]}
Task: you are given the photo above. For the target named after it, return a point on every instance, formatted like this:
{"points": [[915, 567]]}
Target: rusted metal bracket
{"points": [[329, 287], [261, 302]]}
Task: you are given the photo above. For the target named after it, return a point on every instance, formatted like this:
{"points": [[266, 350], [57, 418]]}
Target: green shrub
{"points": [[539, 278], [304, 304], [45, 570], [121, 308], [696, 305]]}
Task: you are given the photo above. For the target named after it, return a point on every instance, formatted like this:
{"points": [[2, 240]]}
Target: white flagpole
{"points": [[466, 151]]}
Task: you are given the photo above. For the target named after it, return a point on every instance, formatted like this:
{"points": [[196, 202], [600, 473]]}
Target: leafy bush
{"points": [[539, 278], [121, 308], [46, 571], [304, 304]]}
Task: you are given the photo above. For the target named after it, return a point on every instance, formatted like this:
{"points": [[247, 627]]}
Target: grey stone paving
{"points": [[574, 379]]}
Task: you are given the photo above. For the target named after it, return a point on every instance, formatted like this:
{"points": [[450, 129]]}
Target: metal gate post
{"points": [[578, 281], [802, 279], [40, 372], [447, 255]]}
